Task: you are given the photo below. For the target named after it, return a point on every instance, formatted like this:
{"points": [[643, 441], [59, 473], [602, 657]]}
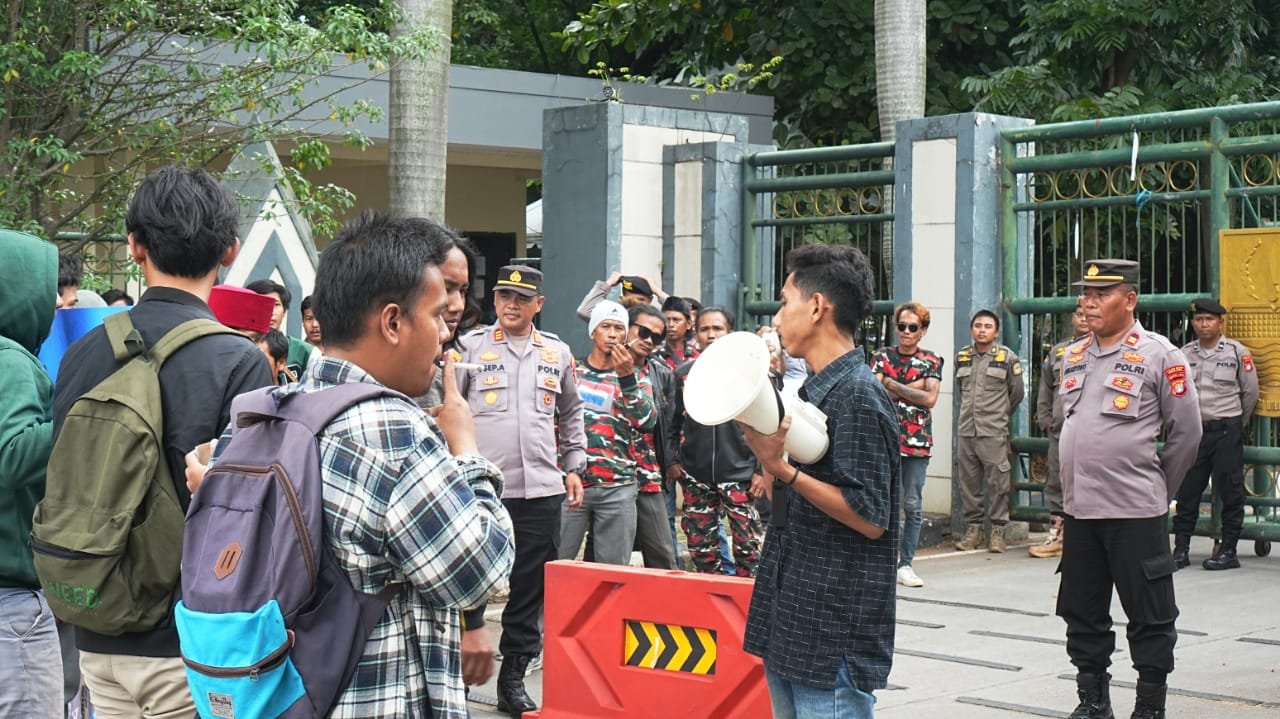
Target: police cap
{"points": [[521, 279], [1208, 305], [638, 285], [1108, 272]]}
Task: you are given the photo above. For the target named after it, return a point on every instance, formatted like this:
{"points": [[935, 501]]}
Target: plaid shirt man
{"points": [[825, 593], [398, 507]]}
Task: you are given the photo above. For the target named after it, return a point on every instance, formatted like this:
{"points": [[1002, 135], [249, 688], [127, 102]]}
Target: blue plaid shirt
{"points": [[825, 593], [398, 507]]}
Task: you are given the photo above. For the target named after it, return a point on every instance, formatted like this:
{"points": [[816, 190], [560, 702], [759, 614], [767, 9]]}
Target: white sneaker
{"points": [[907, 577]]}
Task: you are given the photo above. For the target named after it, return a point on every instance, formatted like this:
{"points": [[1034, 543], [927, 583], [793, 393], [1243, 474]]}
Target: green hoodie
{"points": [[28, 296]]}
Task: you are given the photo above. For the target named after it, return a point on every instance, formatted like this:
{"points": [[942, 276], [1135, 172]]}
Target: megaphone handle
{"points": [[777, 396], [781, 505]]}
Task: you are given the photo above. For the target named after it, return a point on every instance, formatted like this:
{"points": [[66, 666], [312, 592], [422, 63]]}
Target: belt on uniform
{"points": [[1216, 424]]}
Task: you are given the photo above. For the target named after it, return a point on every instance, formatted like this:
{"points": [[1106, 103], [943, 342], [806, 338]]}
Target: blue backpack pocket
{"points": [[238, 663]]}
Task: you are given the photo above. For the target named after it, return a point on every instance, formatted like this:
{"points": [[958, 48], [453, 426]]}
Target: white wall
{"points": [[641, 250], [933, 235]]}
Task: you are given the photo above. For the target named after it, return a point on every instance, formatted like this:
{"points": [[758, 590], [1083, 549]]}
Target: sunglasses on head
{"points": [[645, 333], [904, 327]]}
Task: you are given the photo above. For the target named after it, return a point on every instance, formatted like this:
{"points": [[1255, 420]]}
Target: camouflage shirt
{"points": [[915, 437], [617, 412]]}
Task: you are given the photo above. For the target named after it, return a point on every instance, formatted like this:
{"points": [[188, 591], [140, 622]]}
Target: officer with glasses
{"points": [[912, 375]]}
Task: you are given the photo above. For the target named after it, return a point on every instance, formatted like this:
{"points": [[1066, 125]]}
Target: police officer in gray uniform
{"points": [[1227, 382], [1121, 385], [525, 390], [989, 380]]}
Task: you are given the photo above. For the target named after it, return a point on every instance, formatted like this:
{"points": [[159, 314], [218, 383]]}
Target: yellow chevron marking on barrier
{"points": [[669, 647]]}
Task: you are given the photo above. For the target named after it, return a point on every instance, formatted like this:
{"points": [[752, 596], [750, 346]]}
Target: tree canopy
{"points": [[1077, 59], [96, 92]]}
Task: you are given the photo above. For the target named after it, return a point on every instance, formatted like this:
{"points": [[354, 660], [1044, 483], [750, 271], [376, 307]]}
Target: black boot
{"points": [[513, 700], [1181, 551], [1224, 558], [1150, 703], [1094, 691]]}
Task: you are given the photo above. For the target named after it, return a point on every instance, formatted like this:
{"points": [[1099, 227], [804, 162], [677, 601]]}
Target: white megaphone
{"points": [[730, 380]]}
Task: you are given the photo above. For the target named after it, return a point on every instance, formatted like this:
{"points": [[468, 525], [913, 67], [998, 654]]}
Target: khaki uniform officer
{"points": [[525, 402], [989, 380], [1121, 386], [1227, 382], [1050, 418]]}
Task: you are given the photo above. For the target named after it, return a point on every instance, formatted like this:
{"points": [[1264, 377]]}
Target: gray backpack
{"points": [[269, 624]]}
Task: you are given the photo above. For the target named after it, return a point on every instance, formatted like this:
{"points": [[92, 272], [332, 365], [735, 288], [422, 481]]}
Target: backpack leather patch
{"points": [[228, 559]]}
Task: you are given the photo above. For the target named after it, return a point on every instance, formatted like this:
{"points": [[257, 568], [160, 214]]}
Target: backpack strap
{"points": [[315, 410], [189, 331], [126, 341]]}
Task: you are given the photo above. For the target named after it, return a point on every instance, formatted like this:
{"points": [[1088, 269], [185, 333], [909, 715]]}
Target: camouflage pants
{"points": [[703, 506]]}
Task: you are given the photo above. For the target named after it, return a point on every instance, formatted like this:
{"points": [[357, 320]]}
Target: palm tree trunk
{"points": [[418, 116], [900, 77]]}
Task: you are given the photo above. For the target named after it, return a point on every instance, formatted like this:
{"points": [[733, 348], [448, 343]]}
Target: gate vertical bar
{"points": [[1219, 182]]}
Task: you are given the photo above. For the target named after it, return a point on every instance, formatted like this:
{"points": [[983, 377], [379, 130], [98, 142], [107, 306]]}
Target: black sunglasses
{"points": [[904, 327], [645, 333]]}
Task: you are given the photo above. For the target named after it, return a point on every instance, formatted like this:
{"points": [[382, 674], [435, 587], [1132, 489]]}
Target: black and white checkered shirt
{"points": [[825, 592]]}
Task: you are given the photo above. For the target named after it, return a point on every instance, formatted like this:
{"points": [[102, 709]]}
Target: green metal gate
{"points": [[1076, 191], [834, 195]]}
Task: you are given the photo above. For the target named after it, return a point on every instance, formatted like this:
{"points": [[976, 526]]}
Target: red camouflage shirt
{"points": [[916, 434]]}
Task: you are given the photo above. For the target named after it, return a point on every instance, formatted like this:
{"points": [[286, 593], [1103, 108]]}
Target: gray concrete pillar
{"points": [[947, 252]]}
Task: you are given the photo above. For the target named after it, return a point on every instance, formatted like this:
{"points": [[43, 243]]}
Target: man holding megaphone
{"points": [[835, 558]]}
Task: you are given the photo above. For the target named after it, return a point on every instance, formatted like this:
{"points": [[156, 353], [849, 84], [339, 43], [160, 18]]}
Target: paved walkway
{"points": [[980, 640]]}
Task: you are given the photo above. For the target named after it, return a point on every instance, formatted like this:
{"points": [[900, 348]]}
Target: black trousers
{"points": [[1133, 556], [1222, 455], [537, 527]]}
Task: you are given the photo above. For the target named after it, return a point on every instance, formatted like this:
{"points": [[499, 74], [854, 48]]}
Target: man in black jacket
{"points": [[718, 471], [647, 328], [182, 228]]}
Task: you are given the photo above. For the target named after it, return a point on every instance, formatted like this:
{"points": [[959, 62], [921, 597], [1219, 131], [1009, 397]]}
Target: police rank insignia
{"points": [[489, 356], [1122, 383], [1121, 401], [1061, 351], [491, 398], [498, 335], [1247, 362], [1132, 340], [1134, 357], [1177, 376]]}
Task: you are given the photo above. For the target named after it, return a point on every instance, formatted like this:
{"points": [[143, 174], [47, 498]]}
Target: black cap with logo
{"points": [[521, 279], [1208, 305], [1108, 272]]}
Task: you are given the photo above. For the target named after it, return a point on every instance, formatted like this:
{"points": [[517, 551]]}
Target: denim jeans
{"points": [[31, 672], [796, 701], [913, 476]]}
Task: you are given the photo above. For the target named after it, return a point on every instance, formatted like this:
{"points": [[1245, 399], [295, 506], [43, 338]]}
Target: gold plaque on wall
{"points": [[1249, 275]]}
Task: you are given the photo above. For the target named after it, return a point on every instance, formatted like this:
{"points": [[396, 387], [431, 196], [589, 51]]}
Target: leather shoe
{"points": [[1181, 557], [513, 700], [1224, 558]]}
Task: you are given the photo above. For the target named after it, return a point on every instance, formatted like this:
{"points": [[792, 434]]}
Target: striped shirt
{"points": [[398, 507]]}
